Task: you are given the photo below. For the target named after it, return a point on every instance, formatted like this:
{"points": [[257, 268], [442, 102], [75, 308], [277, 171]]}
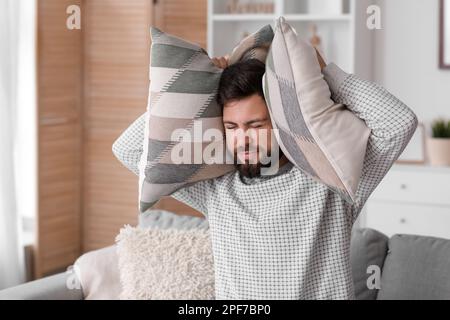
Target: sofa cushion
{"points": [[182, 100], [324, 139], [368, 248], [165, 264], [98, 270], [98, 274], [416, 268]]}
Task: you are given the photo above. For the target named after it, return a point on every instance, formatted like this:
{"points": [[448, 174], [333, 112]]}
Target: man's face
{"points": [[248, 133]]}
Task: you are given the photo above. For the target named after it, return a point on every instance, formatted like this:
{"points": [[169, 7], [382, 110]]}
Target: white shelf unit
{"points": [[346, 40]]}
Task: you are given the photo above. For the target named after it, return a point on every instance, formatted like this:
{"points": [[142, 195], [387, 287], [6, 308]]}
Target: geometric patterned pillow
{"points": [[324, 139], [183, 90]]}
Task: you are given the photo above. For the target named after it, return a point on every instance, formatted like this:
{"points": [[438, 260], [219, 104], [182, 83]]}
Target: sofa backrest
{"points": [[412, 267], [416, 268]]}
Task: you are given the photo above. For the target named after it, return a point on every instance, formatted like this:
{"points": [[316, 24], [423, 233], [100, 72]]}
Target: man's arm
{"points": [[128, 149], [391, 121]]}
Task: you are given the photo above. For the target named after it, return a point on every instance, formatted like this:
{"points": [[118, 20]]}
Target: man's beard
{"points": [[253, 170]]}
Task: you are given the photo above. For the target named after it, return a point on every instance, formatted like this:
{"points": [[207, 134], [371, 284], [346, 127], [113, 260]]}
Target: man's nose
{"points": [[245, 139], [242, 141]]}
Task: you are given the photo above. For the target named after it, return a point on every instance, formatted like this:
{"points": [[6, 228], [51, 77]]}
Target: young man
{"points": [[284, 236]]}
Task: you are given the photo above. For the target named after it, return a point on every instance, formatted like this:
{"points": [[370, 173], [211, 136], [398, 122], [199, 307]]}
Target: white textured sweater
{"points": [[288, 236]]}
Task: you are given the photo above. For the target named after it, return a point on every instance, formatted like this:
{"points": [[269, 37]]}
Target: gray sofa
{"points": [[411, 267]]}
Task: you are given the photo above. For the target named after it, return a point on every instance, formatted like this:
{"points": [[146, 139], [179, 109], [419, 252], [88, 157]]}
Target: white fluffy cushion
{"points": [[165, 264]]}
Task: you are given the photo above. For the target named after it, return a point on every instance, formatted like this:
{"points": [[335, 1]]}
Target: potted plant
{"points": [[438, 145]]}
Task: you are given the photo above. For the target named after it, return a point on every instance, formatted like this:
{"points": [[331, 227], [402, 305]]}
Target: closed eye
{"points": [[252, 124]]}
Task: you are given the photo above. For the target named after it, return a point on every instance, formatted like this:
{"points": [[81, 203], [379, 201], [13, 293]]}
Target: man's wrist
{"points": [[334, 76]]}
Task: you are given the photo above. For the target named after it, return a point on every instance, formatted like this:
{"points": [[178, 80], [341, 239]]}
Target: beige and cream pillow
{"points": [[165, 264], [324, 139], [183, 89]]}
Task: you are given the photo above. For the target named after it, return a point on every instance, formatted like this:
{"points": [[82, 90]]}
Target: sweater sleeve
{"points": [[392, 125], [129, 146], [128, 149]]}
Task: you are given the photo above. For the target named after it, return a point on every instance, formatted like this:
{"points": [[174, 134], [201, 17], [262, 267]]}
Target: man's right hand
{"points": [[220, 62], [322, 62]]}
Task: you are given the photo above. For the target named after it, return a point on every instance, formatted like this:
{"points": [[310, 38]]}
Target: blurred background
{"points": [[75, 74]]}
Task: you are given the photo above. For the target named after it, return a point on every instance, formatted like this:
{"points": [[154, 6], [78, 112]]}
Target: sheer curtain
{"points": [[17, 133]]}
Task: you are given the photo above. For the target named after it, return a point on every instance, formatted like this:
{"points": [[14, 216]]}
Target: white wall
{"points": [[406, 57]]}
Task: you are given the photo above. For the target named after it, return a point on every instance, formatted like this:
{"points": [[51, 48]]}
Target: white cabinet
{"points": [[412, 200], [341, 25]]}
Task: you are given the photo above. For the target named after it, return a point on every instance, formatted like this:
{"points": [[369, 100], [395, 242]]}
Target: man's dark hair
{"points": [[241, 80]]}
